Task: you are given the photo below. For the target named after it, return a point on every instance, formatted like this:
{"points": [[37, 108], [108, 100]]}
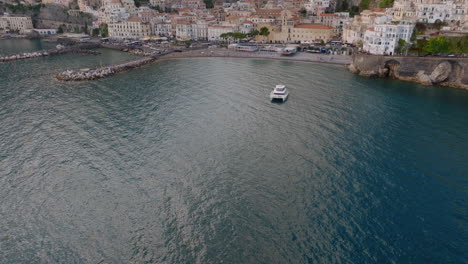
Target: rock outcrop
{"points": [[51, 52], [423, 78], [441, 72], [101, 72]]}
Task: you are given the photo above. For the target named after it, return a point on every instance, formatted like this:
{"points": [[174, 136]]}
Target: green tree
{"points": [[104, 30], [224, 36], [96, 32], [354, 11], [208, 3], [264, 31], [254, 33], [60, 29], [137, 3], [402, 47], [364, 5], [386, 3], [303, 12], [437, 45]]}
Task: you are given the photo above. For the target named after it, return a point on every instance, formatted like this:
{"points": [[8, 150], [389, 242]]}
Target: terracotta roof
{"points": [[328, 15], [185, 23], [134, 19], [378, 10], [313, 26], [269, 11], [214, 26]]}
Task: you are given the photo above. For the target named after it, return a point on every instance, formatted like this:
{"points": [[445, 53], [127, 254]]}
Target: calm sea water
{"points": [[187, 161]]}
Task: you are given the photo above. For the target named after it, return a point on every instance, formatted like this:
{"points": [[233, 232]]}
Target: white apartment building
{"points": [[430, 13], [163, 29], [354, 29], [132, 28], [335, 20], [114, 12], [246, 27], [317, 7], [3, 25], [186, 30], [215, 31], [23, 25], [382, 39]]}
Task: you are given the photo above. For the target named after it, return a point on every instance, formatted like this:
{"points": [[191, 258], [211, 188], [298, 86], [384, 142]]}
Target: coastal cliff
{"points": [[443, 71]]}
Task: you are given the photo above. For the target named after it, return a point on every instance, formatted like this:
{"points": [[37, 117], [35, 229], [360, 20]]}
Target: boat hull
{"points": [[279, 97]]}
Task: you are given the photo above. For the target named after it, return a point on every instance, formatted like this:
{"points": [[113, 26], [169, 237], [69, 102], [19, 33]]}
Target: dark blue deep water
{"points": [[187, 161]]}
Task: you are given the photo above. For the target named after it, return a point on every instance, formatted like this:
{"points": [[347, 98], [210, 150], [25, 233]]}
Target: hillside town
{"points": [[402, 27]]}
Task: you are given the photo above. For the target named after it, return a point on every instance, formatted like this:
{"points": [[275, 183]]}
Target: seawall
{"points": [[102, 72], [83, 49], [443, 71]]}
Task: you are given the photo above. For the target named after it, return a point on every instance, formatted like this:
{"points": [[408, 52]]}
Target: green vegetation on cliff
{"points": [[442, 45], [209, 3], [386, 3]]}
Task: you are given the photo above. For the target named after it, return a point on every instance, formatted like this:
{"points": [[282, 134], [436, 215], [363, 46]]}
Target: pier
{"points": [[102, 72], [83, 49]]}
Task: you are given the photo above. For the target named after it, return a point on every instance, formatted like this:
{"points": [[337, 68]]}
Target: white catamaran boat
{"points": [[279, 93]]}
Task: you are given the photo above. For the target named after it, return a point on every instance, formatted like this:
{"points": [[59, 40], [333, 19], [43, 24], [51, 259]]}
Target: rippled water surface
{"points": [[187, 161]]}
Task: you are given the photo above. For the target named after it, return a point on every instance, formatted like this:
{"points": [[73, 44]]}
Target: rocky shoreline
{"points": [[439, 71], [50, 52], [102, 72]]}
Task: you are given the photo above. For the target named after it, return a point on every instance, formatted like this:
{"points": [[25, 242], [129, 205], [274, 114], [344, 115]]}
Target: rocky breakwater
{"points": [[442, 71], [51, 52], [102, 72]]}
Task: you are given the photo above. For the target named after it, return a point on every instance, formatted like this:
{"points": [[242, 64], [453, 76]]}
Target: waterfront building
{"points": [[215, 31], [382, 39], [162, 29], [308, 33], [45, 32], [3, 25], [20, 24], [335, 20], [354, 29], [186, 30], [132, 28]]}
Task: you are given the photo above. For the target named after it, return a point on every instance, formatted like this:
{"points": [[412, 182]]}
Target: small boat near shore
{"points": [[289, 51], [279, 93]]}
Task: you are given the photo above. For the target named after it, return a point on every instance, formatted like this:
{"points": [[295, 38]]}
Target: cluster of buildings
{"points": [[21, 25], [376, 31], [193, 21]]}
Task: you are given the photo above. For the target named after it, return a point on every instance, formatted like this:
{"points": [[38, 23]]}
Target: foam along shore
{"points": [[102, 72], [82, 49]]}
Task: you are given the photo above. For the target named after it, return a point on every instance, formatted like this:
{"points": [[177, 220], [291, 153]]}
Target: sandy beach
{"points": [[300, 56]]}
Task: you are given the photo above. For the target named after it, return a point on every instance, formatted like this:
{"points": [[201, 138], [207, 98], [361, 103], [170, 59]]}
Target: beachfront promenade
{"points": [[300, 56]]}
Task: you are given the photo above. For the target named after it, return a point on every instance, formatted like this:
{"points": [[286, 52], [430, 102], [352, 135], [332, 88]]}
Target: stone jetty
{"points": [[102, 72], [51, 52]]}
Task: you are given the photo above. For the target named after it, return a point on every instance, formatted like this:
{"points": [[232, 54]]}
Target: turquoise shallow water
{"points": [[187, 161]]}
